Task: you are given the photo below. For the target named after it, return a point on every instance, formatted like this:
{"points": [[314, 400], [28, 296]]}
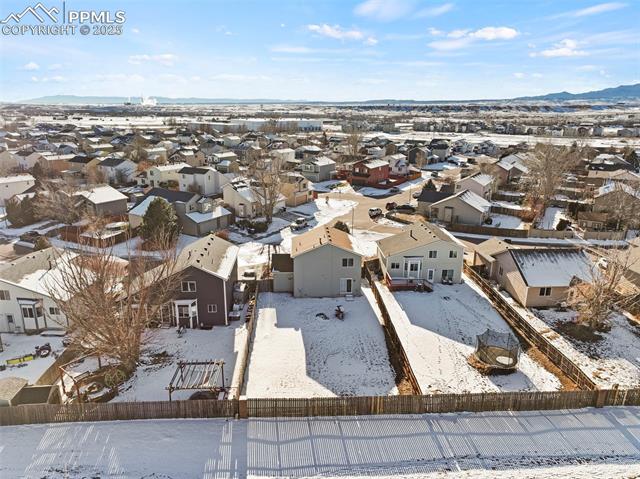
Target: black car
{"points": [[391, 205]]}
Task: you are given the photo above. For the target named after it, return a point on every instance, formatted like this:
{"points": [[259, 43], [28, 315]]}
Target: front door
{"points": [[430, 274], [11, 323]]}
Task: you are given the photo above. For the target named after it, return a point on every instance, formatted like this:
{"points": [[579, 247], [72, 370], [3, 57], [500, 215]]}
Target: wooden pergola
{"points": [[198, 375]]}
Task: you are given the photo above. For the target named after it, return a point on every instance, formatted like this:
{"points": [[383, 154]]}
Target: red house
{"points": [[370, 173]]}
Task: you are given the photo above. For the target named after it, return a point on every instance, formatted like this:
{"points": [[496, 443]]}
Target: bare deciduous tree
{"points": [[265, 175], [595, 298], [58, 201], [353, 145], [109, 303], [547, 166]]}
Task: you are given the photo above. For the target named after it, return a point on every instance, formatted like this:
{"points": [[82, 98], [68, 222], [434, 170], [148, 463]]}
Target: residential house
{"points": [[616, 197], [428, 196], [83, 164], [207, 270], [325, 263], [510, 168], [295, 188], [398, 165], [370, 172], [319, 168], [481, 184], [284, 155], [607, 162], [14, 185], [246, 200], [420, 252], [464, 207], [540, 277], [8, 161], [204, 180], [189, 156], [117, 170], [104, 201], [440, 148], [418, 156], [55, 163], [164, 175]]}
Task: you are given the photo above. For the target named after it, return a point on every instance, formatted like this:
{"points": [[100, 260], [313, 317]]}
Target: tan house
{"points": [[420, 252], [295, 188], [324, 262], [464, 207], [481, 184], [540, 277]]}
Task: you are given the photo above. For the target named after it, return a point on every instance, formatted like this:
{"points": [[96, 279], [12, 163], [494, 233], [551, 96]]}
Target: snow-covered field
{"points": [[582, 444], [551, 218], [165, 349], [506, 221], [438, 332], [17, 345], [614, 359], [296, 354]]}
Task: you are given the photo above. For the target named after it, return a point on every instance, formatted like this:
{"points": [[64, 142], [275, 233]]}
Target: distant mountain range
{"points": [[622, 92]]}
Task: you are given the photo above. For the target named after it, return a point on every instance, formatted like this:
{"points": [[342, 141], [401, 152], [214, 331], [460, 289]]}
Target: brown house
{"points": [[208, 270]]}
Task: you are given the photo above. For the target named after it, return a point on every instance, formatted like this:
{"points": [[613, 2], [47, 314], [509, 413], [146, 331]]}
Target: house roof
{"points": [[16, 179], [322, 236], [376, 163], [551, 267], [211, 254], [171, 196], [190, 170], [102, 194], [10, 387], [322, 161], [613, 186], [492, 247], [414, 236], [112, 162], [469, 197], [215, 212], [482, 179]]}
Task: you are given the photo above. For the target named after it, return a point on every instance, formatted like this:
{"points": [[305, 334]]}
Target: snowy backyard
{"points": [[551, 218], [296, 354], [165, 349], [438, 332], [574, 444], [17, 345], [507, 221]]}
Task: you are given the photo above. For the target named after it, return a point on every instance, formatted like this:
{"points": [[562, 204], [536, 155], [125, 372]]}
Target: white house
{"points": [[117, 170], [204, 180], [245, 199], [481, 184], [14, 185], [398, 164], [157, 175]]}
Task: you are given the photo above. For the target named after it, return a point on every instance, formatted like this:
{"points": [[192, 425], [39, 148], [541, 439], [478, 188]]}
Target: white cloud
{"points": [[282, 25], [135, 30], [593, 10], [564, 48], [495, 33], [370, 41], [519, 75], [537, 75], [31, 66], [167, 59], [336, 32], [384, 10], [55, 66], [435, 11], [434, 32], [291, 49], [463, 37], [53, 79]]}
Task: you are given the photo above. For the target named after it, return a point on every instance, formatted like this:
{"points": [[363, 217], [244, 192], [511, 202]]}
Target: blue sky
{"points": [[332, 50]]}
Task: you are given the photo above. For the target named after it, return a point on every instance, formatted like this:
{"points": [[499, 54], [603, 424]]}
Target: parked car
{"points": [[30, 236], [406, 208], [416, 194], [299, 224], [391, 205], [395, 189], [374, 212]]}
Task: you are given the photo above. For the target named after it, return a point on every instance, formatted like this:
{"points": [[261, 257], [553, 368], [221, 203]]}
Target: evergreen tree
{"points": [[160, 219]]}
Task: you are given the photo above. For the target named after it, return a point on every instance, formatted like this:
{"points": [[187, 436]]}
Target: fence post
{"points": [[601, 397], [243, 410]]}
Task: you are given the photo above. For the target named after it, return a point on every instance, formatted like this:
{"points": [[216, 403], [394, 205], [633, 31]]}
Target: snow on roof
{"points": [[216, 212], [551, 267], [322, 161], [413, 236], [322, 236], [102, 194], [172, 167], [470, 198], [376, 163], [212, 254], [612, 186], [483, 179], [16, 179], [141, 208]]}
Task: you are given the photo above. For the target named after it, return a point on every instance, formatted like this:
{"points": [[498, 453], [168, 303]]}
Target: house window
{"points": [[188, 286], [346, 285], [453, 254], [500, 271], [212, 308], [347, 262], [54, 311], [447, 275], [395, 265], [433, 254], [4, 295], [545, 291], [27, 312]]}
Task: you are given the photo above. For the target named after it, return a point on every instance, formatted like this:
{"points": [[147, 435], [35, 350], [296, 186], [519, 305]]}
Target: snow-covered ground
{"points": [[165, 349], [17, 345], [508, 204], [339, 186], [615, 359], [438, 333], [41, 227], [582, 444], [551, 218], [296, 354], [507, 221]]}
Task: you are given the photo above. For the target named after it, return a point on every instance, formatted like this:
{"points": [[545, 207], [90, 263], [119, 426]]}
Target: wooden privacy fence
{"points": [[115, 411], [531, 335], [440, 403]]}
